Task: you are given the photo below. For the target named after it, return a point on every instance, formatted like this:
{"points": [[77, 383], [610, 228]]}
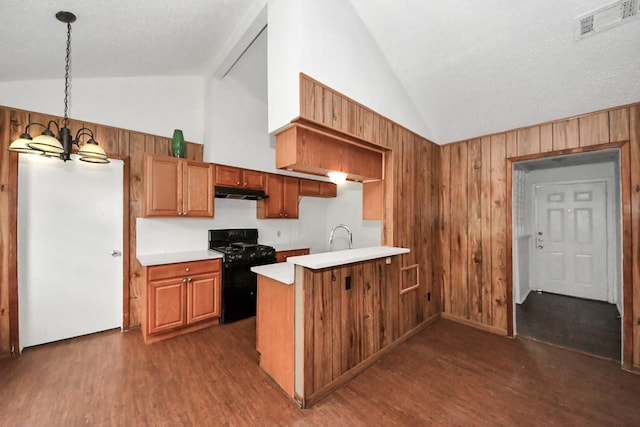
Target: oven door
{"points": [[239, 287]]}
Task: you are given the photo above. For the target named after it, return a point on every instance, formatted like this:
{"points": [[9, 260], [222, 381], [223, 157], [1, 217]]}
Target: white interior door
{"points": [[69, 222], [570, 253]]}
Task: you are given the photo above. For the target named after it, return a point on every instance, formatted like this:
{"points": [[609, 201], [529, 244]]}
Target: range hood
{"points": [[238, 193]]}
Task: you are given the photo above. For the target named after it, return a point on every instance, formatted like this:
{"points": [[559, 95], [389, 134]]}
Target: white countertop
{"points": [[282, 272], [348, 256], [173, 257]]}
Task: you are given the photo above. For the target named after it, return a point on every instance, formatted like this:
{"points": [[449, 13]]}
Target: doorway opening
{"points": [[567, 251]]}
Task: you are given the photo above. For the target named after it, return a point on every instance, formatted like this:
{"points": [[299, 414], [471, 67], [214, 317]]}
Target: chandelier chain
{"points": [[65, 120]]}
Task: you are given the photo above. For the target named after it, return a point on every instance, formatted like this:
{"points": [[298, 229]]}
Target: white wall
{"points": [[326, 40], [154, 105]]}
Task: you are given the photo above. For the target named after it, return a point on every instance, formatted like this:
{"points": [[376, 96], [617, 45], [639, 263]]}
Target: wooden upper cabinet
{"points": [[310, 187], [230, 176], [283, 192], [372, 200], [305, 149], [177, 187]]}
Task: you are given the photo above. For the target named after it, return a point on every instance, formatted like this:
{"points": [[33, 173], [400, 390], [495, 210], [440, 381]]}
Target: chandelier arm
{"points": [[82, 132]]}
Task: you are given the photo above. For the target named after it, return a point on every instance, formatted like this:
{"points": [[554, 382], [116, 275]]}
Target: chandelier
{"points": [[50, 145]]}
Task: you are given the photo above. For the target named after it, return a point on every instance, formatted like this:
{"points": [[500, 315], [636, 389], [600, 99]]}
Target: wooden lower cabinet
{"points": [[180, 298], [281, 256]]}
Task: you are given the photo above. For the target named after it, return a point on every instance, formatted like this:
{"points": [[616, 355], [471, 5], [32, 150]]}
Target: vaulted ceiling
{"points": [[471, 68]]}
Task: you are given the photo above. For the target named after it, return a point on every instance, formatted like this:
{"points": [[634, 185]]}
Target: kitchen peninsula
{"points": [[324, 318]]}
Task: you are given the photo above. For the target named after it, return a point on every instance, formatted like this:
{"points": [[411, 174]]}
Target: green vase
{"points": [[178, 148]]}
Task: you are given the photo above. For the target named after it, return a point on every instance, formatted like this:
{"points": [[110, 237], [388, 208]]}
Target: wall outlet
{"points": [[347, 283], [278, 233], [387, 260], [428, 296]]}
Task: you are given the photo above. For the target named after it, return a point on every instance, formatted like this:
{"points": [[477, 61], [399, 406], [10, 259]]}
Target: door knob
{"points": [[540, 246], [115, 253]]}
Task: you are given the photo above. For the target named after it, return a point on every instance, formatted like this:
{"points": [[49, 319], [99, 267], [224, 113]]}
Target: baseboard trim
{"points": [[474, 324]]}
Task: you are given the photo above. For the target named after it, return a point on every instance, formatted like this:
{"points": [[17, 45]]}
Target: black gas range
{"points": [[241, 251]]}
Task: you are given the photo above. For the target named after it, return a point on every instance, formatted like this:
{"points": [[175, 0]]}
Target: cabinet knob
{"points": [[187, 269], [189, 280], [184, 280]]}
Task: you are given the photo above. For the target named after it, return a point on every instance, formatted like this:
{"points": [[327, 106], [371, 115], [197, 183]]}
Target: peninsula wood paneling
{"points": [[466, 238], [344, 327], [121, 143]]}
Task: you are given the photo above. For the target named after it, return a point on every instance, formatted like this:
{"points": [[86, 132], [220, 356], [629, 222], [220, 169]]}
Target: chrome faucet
{"points": [[348, 231]]}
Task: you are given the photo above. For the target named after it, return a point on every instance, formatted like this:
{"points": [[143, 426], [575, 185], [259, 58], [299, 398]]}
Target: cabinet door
{"points": [[165, 302], [271, 207], [163, 186], [228, 176], [290, 193], [197, 189], [203, 297], [253, 179]]}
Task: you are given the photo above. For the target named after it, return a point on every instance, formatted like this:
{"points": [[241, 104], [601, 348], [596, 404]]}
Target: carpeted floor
{"points": [[590, 326]]}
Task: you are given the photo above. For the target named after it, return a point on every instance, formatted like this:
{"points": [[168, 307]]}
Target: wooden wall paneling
{"points": [[6, 137], [136, 196], [487, 206], [318, 103], [195, 151], [430, 218], [499, 148], [634, 141], [546, 137], [150, 144], [566, 134], [9, 225], [619, 125], [123, 142], [322, 342], [445, 227], [162, 146], [628, 264], [107, 138], [474, 229], [528, 140], [336, 111], [391, 277], [350, 318], [594, 129], [348, 117], [459, 264], [306, 98], [511, 144], [327, 107]]}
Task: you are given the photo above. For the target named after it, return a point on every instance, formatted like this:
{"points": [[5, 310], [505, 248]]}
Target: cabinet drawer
{"points": [[182, 269]]}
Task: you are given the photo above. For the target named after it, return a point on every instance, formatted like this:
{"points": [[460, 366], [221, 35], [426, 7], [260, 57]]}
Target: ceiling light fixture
{"points": [[337, 177], [47, 143]]}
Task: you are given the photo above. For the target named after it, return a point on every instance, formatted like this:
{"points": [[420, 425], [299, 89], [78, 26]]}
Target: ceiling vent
{"points": [[606, 17]]}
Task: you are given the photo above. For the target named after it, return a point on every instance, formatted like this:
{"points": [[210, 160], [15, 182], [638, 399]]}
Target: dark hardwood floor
{"points": [[586, 325], [449, 374]]}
